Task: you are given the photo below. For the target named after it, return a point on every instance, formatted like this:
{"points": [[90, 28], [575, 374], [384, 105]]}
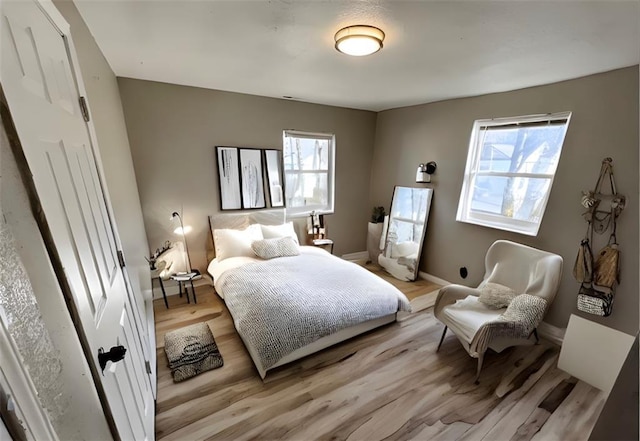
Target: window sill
{"points": [[527, 231], [301, 214]]}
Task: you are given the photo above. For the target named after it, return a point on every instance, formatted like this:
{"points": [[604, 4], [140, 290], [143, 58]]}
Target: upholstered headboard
{"points": [[239, 220]]}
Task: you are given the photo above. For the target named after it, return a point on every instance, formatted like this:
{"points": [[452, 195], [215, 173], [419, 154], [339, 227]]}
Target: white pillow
{"points": [[236, 243], [271, 248], [496, 296], [278, 231]]}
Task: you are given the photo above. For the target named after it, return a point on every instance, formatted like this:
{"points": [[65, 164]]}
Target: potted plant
{"points": [[377, 215], [374, 233]]}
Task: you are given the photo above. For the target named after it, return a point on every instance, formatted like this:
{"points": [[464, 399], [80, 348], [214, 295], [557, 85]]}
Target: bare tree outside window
{"points": [[510, 171], [309, 172]]}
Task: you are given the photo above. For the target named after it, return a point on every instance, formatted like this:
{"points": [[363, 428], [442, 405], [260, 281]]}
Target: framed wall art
{"points": [[274, 177], [251, 178], [229, 178]]}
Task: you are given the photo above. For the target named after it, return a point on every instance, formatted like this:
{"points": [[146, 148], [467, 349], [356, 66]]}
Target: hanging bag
{"points": [[606, 266], [590, 300], [598, 277], [595, 302], [583, 267]]}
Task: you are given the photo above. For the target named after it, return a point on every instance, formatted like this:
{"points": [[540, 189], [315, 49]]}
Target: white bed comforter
{"points": [[283, 304]]}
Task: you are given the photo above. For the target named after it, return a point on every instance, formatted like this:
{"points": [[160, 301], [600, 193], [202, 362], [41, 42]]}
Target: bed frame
{"points": [[241, 220], [323, 343]]}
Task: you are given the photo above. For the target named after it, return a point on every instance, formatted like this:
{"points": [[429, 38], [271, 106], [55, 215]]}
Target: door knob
{"points": [[115, 354]]}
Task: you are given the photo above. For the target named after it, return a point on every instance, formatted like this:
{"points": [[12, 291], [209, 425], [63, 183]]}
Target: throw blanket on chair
{"points": [[522, 316]]}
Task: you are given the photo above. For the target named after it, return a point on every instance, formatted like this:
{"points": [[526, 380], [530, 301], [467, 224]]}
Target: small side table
{"points": [[155, 274], [182, 280], [323, 243]]}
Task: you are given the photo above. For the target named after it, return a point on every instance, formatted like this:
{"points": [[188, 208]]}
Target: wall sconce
{"points": [[423, 175]]}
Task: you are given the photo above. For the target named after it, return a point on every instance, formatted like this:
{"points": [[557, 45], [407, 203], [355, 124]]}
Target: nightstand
{"points": [[323, 243], [155, 274], [183, 278]]}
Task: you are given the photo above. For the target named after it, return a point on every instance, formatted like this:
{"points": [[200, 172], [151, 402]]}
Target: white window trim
{"points": [[295, 212], [465, 214]]}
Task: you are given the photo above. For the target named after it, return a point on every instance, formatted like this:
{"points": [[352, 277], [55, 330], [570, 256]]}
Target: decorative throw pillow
{"points": [[496, 296], [235, 243], [527, 310], [271, 248], [277, 231]]}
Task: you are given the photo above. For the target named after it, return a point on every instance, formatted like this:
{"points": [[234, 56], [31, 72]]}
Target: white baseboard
{"points": [[356, 256], [434, 279], [551, 333]]}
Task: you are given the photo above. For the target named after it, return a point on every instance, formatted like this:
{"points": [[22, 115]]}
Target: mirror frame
{"points": [[387, 253]]}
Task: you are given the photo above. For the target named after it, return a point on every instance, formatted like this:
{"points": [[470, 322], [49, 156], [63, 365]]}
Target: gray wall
{"points": [[604, 123], [106, 112], [173, 130]]}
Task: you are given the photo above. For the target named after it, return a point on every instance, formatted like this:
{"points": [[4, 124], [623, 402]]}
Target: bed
{"points": [[296, 300]]}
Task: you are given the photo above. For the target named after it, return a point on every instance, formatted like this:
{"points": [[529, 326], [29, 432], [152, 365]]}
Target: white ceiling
{"points": [[432, 51]]}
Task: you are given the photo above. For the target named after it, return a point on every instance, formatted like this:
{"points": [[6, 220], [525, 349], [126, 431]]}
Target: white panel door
{"points": [[41, 91]]}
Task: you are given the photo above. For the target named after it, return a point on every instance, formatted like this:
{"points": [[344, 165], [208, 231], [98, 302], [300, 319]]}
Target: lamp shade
{"points": [[182, 230], [359, 40], [178, 226]]}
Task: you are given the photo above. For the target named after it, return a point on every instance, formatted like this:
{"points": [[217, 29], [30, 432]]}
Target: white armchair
{"points": [[524, 269]]}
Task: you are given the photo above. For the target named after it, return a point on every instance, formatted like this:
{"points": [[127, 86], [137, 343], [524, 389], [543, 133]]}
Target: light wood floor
{"points": [[387, 384], [410, 289]]}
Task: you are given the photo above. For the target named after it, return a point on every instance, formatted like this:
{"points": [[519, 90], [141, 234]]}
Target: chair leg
{"points": [[442, 338], [480, 360], [535, 332]]}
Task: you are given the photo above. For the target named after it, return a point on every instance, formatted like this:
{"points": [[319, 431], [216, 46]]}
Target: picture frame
{"points": [[252, 178], [274, 177], [229, 177]]}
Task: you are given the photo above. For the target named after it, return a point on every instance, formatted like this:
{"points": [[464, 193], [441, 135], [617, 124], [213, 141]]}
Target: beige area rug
{"points": [[421, 293]]}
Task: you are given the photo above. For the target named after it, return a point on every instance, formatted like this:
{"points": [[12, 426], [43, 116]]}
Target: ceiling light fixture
{"points": [[359, 40]]}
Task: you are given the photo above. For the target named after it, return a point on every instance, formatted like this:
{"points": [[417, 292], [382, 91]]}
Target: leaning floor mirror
{"points": [[405, 229]]}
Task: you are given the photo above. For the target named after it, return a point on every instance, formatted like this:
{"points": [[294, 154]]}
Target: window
{"points": [[309, 164], [510, 169]]}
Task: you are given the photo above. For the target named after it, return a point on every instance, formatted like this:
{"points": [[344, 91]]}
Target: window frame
{"points": [[329, 208], [472, 171]]}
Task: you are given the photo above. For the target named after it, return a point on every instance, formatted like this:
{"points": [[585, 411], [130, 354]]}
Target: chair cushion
{"points": [[468, 315]]}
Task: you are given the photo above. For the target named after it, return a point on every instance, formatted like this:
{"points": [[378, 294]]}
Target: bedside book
{"points": [[183, 276]]}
